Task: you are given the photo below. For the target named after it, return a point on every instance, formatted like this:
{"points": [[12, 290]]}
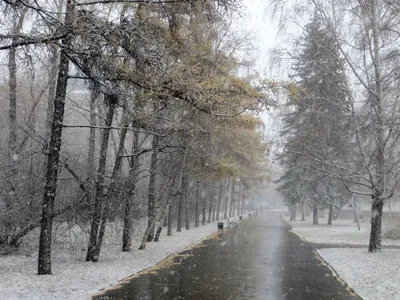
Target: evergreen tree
{"points": [[317, 129]]}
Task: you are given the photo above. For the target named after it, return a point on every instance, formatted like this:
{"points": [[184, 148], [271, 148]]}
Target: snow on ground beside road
{"points": [[341, 232], [372, 276], [76, 279]]}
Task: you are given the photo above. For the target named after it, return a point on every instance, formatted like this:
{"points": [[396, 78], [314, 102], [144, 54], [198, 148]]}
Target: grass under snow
{"points": [[373, 276], [76, 279]]}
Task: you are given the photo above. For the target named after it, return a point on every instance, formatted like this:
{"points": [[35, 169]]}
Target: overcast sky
{"points": [[256, 20]]}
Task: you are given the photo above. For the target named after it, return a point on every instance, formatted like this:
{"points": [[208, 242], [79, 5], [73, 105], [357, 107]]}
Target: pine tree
{"points": [[317, 126]]}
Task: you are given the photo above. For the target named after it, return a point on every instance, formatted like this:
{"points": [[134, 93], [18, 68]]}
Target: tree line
{"points": [[341, 128], [167, 125]]}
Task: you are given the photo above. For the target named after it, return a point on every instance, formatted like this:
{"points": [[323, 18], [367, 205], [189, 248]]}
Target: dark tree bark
{"points": [[111, 100], [226, 199], [107, 204], [11, 198], [376, 224], [128, 222], [180, 191], [164, 209], [233, 193], [211, 204], [94, 93], [161, 225], [204, 206], [44, 258], [303, 217], [315, 213], [185, 188], [219, 201], [292, 212], [214, 206], [169, 229], [243, 206], [239, 199], [165, 223], [152, 190], [151, 226], [179, 221], [196, 222], [330, 214], [52, 89], [355, 216]]}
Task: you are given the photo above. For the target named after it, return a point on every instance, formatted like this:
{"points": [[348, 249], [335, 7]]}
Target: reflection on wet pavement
{"points": [[259, 259]]}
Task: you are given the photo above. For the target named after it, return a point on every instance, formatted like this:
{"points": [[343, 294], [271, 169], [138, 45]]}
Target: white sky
{"points": [[256, 20]]}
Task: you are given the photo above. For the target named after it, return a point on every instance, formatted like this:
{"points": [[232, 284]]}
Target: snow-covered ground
{"points": [[372, 276], [76, 279], [341, 232]]}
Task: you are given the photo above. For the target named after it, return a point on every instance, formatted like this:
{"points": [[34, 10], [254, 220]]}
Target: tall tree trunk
{"points": [[44, 258], [214, 206], [196, 221], [94, 93], [185, 184], [52, 89], [179, 221], [338, 213], [239, 198], [12, 138], [114, 175], [128, 221], [226, 199], [243, 207], [111, 100], [292, 218], [294, 211], [165, 223], [330, 214], [221, 187], [204, 205], [315, 213], [152, 190], [376, 224], [182, 180], [233, 193], [210, 207], [11, 197], [152, 225], [169, 229], [165, 203], [381, 128], [163, 218], [303, 217], [355, 213]]}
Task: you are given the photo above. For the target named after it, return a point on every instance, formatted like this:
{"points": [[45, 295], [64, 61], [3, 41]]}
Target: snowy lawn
{"points": [[341, 232], [372, 276], [76, 279]]}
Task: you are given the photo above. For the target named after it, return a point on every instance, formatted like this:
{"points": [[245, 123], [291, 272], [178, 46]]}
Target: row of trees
{"points": [[341, 125], [165, 124]]}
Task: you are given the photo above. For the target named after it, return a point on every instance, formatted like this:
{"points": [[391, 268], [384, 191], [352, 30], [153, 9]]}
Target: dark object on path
{"points": [[249, 215], [220, 226], [240, 218]]}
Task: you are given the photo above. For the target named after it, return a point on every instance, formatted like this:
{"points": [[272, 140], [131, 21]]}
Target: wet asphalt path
{"points": [[260, 259]]}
